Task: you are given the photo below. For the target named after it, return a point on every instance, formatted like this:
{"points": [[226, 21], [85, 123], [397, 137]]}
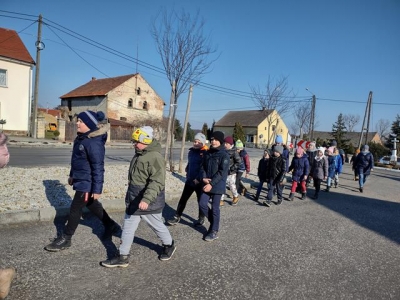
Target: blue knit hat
{"points": [[279, 139], [91, 118]]}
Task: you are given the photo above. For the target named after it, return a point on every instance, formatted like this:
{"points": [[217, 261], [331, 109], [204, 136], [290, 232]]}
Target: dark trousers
{"points": [[271, 186], [239, 183], [317, 184], [213, 213], [81, 200], [186, 194]]}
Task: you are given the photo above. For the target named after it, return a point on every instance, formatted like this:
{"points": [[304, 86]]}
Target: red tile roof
{"points": [[11, 46], [97, 87]]}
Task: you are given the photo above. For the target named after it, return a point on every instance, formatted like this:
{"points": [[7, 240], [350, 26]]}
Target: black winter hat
{"points": [[219, 136]]}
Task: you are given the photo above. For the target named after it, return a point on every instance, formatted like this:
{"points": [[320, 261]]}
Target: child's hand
{"points": [[143, 205]]}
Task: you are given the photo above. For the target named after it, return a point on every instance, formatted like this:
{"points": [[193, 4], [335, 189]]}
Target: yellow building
{"points": [[260, 126]]}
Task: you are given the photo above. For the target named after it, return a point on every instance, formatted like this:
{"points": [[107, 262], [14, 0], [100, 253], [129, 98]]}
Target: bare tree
{"points": [[184, 50], [302, 115], [383, 128], [351, 121], [275, 95]]}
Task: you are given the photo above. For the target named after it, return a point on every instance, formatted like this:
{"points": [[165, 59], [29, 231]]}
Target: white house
{"points": [[16, 65]]}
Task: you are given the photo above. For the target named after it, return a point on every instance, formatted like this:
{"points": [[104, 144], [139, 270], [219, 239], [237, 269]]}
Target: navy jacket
{"points": [[364, 162], [300, 167], [193, 167], [87, 161], [216, 167]]}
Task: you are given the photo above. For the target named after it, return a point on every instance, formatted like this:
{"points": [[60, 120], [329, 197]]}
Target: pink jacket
{"points": [[4, 154]]}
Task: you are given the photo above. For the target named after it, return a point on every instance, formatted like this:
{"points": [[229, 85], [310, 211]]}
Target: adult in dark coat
{"points": [[364, 165]]}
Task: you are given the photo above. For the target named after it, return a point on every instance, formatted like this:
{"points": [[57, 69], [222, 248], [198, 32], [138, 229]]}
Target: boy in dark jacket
{"points": [[234, 163], [192, 184], [275, 172], [364, 165], [87, 177], [215, 170], [145, 197], [301, 168], [244, 166], [262, 172]]}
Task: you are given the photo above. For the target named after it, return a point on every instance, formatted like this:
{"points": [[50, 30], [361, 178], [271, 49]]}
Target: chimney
{"points": [[93, 78]]}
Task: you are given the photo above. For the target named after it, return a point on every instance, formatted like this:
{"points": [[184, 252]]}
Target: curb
{"points": [[46, 214]]}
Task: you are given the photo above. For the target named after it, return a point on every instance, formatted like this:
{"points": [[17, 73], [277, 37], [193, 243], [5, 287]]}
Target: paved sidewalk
{"points": [[343, 246]]}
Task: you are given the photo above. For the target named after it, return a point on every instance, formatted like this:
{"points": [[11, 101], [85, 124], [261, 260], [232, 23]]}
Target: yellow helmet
{"points": [[143, 135]]}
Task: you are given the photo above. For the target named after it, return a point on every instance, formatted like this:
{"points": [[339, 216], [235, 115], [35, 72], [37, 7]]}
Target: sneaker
{"points": [[235, 200], [199, 222], [221, 203], [118, 261], [361, 190], [213, 235], [175, 220], [303, 196], [244, 191], [61, 243], [112, 230], [6, 277], [316, 196], [291, 196], [279, 202], [168, 251], [267, 203], [255, 198]]}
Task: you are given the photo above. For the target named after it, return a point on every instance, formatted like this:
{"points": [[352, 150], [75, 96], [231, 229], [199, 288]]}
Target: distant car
{"points": [[385, 160]]}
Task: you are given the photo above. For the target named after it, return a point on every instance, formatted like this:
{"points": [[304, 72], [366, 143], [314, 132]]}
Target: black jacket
{"points": [[234, 160], [216, 166], [276, 168]]}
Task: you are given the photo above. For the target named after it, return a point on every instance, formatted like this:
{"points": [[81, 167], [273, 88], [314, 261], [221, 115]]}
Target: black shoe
{"points": [[175, 220], [121, 261], [112, 230], [336, 185], [61, 243], [213, 235], [303, 196], [267, 203], [279, 202], [199, 222], [291, 197], [316, 196], [327, 189], [168, 251], [361, 190]]}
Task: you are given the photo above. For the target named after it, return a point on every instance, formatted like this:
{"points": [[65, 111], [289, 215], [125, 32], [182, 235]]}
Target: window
{"points": [[138, 91], [145, 105], [3, 77], [273, 127], [130, 103]]}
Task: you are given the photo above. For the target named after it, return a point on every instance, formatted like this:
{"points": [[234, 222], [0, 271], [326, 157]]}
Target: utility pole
{"points": [[366, 115], [169, 134], [312, 115], [185, 127], [39, 46]]}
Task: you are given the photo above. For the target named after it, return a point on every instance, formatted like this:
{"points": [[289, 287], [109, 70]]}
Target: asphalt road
{"points": [[51, 156], [343, 246]]}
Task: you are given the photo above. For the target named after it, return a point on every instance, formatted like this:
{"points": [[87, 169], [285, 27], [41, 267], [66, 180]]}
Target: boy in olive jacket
{"points": [[145, 197]]}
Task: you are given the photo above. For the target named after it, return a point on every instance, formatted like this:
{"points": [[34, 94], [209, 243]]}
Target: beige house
{"points": [[125, 98], [260, 126], [16, 65]]}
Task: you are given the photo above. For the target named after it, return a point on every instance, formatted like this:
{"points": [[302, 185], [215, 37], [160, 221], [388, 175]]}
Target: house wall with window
{"points": [[135, 99], [15, 95], [269, 128]]}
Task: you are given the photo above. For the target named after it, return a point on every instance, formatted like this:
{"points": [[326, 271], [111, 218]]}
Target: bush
{"points": [[56, 133], [378, 150]]}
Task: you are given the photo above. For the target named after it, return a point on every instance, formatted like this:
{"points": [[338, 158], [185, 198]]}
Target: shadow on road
{"points": [[380, 216]]}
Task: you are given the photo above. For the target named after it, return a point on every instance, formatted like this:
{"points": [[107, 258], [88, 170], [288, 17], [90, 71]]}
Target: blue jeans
{"points": [[213, 213], [362, 178], [259, 188]]}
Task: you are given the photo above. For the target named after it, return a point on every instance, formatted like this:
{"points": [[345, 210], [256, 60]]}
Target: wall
{"points": [[15, 99]]}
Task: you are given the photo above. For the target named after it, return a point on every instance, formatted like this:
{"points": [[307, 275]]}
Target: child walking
{"points": [[319, 170], [145, 197], [233, 168], [301, 168], [262, 173], [215, 170], [275, 173], [192, 184], [244, 166], [87, 177], [331, 168]]}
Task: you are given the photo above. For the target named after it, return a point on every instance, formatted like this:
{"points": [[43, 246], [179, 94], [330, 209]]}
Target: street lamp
{"points": [[312, 118]]}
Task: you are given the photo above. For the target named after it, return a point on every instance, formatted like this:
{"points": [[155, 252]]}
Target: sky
{"points": [[340, 50]]}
